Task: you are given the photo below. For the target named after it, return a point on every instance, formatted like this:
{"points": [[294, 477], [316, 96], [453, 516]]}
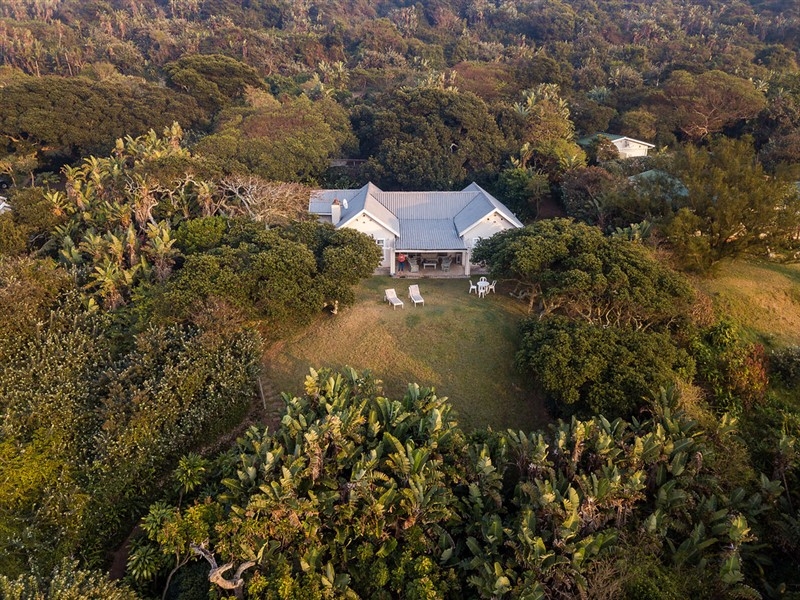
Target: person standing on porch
{"points": [[401, 260]]}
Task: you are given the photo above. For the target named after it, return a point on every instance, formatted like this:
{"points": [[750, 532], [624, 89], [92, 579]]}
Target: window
{"points": [[475, 241], [381, 242]]}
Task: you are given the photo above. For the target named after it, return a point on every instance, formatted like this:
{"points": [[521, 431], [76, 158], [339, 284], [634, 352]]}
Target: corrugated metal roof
{"points": [[429, 234], [482, 205], [365, 201], [378, 210], [320, 202], [319, 207], [425, 205], [472, 213]]}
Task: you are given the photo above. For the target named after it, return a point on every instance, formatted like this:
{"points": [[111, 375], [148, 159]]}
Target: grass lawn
{"points": [[460, 344], [764, 297]]}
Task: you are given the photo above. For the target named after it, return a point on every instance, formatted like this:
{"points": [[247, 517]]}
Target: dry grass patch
{"points": [[460, 344], [764, 297]]}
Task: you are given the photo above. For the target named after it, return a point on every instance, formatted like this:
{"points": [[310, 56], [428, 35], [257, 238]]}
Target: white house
{"points": [[627, 147], [4, 206], [427, 226]]}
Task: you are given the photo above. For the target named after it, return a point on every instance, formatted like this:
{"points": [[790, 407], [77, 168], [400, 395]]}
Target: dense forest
{"points": [[157, 157]]}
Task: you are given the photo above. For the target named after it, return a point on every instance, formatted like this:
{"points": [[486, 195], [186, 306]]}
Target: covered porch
{"points": [[438, 263], [432, 266], [431, 247]]}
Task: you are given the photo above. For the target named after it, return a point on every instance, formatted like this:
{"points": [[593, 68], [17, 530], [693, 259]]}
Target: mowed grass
{"points": [[459, 344], [763, 297]]}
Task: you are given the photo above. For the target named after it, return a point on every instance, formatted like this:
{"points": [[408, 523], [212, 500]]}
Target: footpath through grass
{"points": [[460, 344], [763, 297]]}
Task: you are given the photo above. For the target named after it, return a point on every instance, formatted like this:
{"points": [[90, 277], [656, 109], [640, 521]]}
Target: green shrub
{"points": [[734, 371], [13, 237], [785, 363], [199, 235], [608, 370]]}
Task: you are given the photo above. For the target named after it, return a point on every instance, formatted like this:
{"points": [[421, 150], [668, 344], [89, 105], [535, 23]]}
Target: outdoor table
{"points": [[429, 263], [482, 287]]}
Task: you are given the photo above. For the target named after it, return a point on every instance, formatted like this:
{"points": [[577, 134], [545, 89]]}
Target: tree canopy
{"points": [[134, 279], [360, 495], [707, 103], [288, 140], [429, 138], [32, 113], [732, 206], [570, 268]]}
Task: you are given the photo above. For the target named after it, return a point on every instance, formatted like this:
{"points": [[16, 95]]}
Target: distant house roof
{"points": [[320, 203], [672, 185], [420, 220], [612, 137]]}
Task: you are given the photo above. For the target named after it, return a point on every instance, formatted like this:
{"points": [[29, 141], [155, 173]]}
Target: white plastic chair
{"points": [[490, 287], [483, 279], [413, 293], [391, 297], [472, 287]]}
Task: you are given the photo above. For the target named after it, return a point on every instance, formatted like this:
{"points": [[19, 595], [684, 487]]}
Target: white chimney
{"points": [[336, 211]]}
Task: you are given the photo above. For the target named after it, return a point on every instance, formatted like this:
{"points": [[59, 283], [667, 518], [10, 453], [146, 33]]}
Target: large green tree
{"points": [[283, 277], [66, 118], [292, 139], [586, 368], [732, 206], [429, 138], [572, 269], [213, 80], [704, 104]]}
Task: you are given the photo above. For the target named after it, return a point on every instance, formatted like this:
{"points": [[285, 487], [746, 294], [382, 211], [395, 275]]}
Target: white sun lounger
{"points": [[413, 293], [391, 297]]}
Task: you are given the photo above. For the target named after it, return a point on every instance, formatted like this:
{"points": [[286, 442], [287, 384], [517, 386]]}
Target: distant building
{"points": [[424, 225], [4, 206], [661, 184], [627, 147]]}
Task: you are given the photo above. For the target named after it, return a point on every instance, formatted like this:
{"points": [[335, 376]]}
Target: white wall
{"points": [[487, 227], [629, 149], [366, 224]]}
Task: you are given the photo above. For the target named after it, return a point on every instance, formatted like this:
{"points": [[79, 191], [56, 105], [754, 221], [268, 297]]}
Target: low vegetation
{"points": [[459, 344], [764, 297]]}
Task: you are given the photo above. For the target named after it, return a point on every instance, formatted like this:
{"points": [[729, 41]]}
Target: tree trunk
{"points": [[216, 575]]}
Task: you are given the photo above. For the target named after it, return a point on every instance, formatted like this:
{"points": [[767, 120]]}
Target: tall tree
{"points": [[548, 140], [570, 268], [706, 103], [213, 80], [732, 207], [290, 140], [33, 114], [429, 138]]}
